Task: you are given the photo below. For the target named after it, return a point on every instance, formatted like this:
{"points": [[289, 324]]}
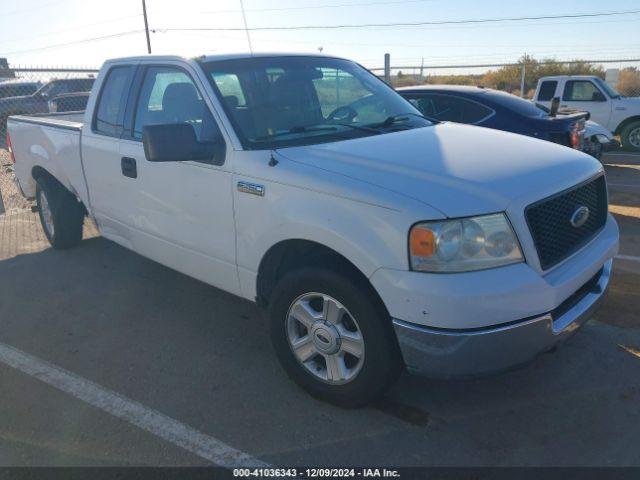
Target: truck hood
{"points": [[458, 169]]}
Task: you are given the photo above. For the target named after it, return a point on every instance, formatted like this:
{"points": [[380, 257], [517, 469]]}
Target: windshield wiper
{"points": [[319, 127], [399, 118], [297, 129], [362, 128]]}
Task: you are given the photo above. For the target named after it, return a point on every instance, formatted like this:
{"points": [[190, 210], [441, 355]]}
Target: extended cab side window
{"points": [[582, 91], [109, 110], [547, 90]]}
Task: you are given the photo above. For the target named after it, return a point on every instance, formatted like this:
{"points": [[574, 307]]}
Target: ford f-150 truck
{"points": [[591, 94], [373, 237]]}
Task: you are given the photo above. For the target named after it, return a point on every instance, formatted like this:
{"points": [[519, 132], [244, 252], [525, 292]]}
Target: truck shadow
{"points": [[203, 356]]}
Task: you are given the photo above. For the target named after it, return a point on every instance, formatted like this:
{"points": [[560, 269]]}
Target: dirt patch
{"points": [[625, 207], [621, 307]]}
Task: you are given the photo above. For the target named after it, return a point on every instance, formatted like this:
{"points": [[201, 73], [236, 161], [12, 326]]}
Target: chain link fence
{"points": [[27, 91], [519, 78]]}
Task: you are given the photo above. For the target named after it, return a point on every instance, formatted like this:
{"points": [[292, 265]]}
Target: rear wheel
{"points": [[332, 336], [61, 215], [630, 136], [595, 148]]}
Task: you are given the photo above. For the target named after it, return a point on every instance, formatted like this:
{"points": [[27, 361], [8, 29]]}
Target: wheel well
{"points": [[626, 122], [289, 255], [39, 172]]}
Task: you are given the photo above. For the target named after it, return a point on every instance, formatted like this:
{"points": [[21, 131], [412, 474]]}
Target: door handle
{"points": [[129, 167]]}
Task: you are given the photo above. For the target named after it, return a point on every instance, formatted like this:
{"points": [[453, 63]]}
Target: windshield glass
{"points": [[276, 102], [608, 88]]}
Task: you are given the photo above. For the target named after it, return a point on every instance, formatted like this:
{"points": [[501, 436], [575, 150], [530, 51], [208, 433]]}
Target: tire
{"points": [[61, 215], [630, 136], [595, 149], [363, 321]]}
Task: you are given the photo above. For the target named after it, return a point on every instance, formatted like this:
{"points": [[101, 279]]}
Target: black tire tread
{"points": [[624, 135], [67, 213]]}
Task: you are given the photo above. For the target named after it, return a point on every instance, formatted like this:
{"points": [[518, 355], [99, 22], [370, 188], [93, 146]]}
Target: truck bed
{"points": [[67, 120], [51, 142]]}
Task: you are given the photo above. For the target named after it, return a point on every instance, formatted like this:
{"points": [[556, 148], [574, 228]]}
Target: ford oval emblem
{"points": [[580, 216]]}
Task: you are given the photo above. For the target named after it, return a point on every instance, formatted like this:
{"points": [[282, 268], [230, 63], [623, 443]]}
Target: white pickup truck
{"points": [[620, 115], [374, 238]]}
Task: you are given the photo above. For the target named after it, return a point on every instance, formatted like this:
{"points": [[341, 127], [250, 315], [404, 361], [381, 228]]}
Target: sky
{"points": [[53, 32]]}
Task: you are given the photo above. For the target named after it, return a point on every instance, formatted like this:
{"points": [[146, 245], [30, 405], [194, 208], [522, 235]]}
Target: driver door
{"points": [[180, 212], [585, 95]]}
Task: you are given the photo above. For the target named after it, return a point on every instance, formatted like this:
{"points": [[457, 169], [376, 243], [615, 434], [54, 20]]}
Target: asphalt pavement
{"points": [[107, 358]]}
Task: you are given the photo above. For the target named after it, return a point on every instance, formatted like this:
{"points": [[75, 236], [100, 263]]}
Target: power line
{"points": [[310, 7], [427, 44], [86, 40], [57, 32], [406, 24]]}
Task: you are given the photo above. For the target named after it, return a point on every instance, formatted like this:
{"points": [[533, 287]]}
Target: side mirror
{"points": [[555, 105], [176, 143], [598, 97]]}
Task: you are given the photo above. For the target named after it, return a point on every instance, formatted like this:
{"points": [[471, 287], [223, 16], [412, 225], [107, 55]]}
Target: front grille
{"points": [[549, 221]]}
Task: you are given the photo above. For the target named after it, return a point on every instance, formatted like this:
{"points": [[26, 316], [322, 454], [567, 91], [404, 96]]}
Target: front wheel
{"points": [[630, 136], [333, 337]]}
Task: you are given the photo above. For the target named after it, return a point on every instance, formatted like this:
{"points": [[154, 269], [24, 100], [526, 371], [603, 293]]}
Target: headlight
{"points": [[463, 245]]}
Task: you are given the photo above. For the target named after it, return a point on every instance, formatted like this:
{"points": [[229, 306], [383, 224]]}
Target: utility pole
{"points": [[387, 68], [146, 25]]}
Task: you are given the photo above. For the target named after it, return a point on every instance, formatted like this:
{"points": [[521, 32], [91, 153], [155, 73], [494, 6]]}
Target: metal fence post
{"points": [[522, 77], [387, 68]]}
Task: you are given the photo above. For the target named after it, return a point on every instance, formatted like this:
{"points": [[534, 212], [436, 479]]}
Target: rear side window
{"points": [[110, 108], [581, 91], [449, 108], [547, 90]]}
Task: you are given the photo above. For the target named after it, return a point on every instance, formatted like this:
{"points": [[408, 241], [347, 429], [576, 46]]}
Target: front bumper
{"points": [[445, 353]]}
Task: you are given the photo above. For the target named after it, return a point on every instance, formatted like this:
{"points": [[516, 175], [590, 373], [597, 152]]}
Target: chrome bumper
{"points": [[452, 353]]}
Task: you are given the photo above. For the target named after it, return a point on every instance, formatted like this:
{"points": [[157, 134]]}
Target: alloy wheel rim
{"points": [[634, 137], [47, 215], [325, 338]]}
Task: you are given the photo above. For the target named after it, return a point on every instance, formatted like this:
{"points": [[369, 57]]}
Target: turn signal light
{"points": [[422, 242]]}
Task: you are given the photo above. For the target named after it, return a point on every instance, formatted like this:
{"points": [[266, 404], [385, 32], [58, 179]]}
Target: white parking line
{"points": [[173, 431], [628, 257]]}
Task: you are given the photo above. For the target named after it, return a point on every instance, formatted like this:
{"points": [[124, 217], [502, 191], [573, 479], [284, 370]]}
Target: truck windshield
{"points": [[608, 88], [276, 102]]}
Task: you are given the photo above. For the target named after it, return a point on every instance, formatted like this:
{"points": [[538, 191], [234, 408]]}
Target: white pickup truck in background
{"points": [[373, 237], [620, 115]]}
